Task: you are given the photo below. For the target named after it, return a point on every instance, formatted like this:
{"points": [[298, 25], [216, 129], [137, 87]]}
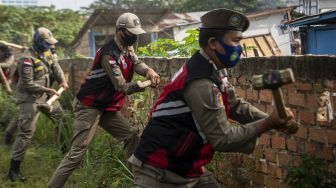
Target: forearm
{"points": [[58, 73], [210, 115], [242, 111], [115, 75], [141, 68], [32, 87], [226, 137], [128, 88]]}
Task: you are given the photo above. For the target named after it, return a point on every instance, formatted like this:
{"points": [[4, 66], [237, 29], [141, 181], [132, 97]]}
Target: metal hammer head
{"points": [[273, 79], [44, 107]]}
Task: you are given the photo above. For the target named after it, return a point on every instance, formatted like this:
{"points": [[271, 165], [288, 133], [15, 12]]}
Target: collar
{"points": [[118, 43], [36, 54], [205, 55]]}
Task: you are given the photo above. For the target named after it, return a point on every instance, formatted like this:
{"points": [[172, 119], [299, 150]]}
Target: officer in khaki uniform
{"points": [[189, 122], [102, 95], [34, 68], [13, 124]]}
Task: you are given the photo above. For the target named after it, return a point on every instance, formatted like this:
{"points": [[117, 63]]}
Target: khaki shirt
{"points": [[34, 76], [118, 81], [209, 112]]}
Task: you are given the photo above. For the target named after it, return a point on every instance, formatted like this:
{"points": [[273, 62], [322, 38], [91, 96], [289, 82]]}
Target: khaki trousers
{"points": [[54, 116], [147, 176], [27, 117], [85, 123], [13, 124]]}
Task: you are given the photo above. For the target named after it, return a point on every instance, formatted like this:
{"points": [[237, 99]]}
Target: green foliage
{"points": [[9, 111], [312, 173], [158, 48], [18, 24], [169, 47], [103, 165]]}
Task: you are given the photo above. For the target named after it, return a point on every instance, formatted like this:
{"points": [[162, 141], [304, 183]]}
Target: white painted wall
{"points": [[327, 4], [258, 26]]}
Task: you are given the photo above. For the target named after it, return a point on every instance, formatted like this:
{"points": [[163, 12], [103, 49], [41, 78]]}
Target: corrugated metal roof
{"points": [[322, 18]]}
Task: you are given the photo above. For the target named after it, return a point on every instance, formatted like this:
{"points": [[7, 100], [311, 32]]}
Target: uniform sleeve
{"points": [[114, 73], [206, 104], [139, 67], [242, 111], [26, 76], [57, 72]]}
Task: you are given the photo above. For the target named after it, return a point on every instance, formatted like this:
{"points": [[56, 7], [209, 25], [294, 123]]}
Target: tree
{"points": [[18, 24]]}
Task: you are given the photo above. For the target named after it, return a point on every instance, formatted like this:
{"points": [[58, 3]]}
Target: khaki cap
{"points": [[131, 22], [225, 19], [46, 35]]}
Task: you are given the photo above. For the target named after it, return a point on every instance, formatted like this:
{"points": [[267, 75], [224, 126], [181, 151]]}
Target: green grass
{"points": [[102, 167]]}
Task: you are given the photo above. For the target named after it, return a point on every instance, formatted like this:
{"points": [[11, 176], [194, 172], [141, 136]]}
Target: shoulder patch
{"points": [[116, 70], [123, 61], [27, 70]]}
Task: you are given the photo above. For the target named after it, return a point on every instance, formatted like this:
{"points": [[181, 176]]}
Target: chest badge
{"points": [[123, 62]]}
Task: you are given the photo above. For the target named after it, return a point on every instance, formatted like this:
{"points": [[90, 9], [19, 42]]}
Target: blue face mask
{"points": [[40, 45], [231, 56]]}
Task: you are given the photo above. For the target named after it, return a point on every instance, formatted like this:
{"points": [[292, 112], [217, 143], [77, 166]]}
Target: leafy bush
{"points": [[169, 47], [17, 24], [312, 173]]}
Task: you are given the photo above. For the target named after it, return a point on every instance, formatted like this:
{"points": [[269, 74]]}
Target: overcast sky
{"points": [[70, 4]]}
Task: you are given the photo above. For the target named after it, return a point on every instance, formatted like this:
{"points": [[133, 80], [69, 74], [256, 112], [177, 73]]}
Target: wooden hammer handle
{"points": [[279, 103], [281, 108], [55, 97], [145, 83]]}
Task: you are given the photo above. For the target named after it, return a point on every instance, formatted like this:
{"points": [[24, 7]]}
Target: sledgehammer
{"points": [[274, 79], [47, 106]]}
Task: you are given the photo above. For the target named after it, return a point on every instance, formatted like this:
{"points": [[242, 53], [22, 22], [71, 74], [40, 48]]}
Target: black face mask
{"points": [[129, 40]]}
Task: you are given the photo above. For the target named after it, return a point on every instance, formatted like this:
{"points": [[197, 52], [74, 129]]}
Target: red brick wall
{"points": [[275, 152]]}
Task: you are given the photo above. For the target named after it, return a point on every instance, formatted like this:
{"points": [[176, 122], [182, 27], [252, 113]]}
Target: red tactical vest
{"points": [[98, 91], [172, 139]]}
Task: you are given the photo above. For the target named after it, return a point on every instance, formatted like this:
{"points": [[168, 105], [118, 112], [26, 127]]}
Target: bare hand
{"points": [[154, 77], [282, 123], [64, 85], [52, 91]]}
